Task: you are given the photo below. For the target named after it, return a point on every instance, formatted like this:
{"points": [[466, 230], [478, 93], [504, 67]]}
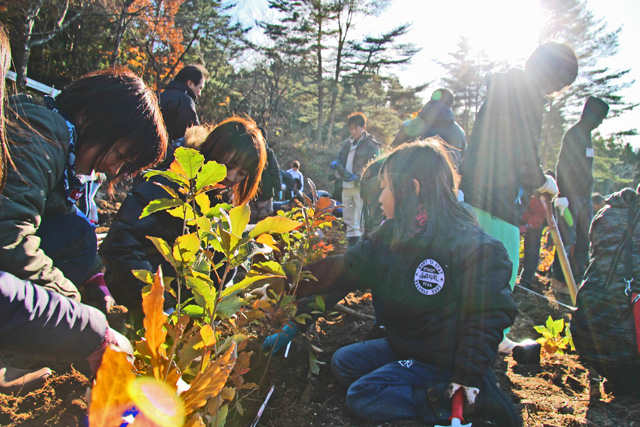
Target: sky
{"points": [[506, 29]]}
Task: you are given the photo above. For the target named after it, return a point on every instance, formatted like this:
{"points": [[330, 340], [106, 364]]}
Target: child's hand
{"points": [[470, 393], [281, 339]]}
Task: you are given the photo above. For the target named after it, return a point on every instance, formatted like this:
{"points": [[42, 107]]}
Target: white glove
{"points": [[283, 187], [549, 186], [561, 203], [470, 393]]}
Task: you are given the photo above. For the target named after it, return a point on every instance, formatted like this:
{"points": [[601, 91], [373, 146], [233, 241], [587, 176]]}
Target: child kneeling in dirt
{"points": [[444, 283]]}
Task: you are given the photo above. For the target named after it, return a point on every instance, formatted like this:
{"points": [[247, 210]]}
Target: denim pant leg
{"points": [[353, 361], [71, 243], [386, 391]]}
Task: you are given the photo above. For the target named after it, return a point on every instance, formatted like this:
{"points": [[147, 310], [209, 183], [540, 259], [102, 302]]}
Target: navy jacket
{"points": [[178, 107], [447, 299]]}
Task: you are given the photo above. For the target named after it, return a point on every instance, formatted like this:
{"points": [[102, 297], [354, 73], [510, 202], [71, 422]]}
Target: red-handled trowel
{"points": [[456, 410]]}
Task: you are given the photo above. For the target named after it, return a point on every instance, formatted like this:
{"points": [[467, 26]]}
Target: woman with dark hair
{"points": [[444, 284], [38, 321], [108, 121], [236, 143]]}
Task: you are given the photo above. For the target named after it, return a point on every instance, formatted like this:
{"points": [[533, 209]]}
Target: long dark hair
{"points": [[5, 59], [427, 162], [241, 136], [115, 105]]}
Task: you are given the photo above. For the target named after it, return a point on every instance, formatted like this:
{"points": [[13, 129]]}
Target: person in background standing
{"points": [[178, 100], [355, 154], [501, 168], [297, 175], [574, 172]]}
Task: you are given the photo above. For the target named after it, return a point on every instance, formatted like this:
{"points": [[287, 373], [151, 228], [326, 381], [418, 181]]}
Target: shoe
{"points": [[506, 346], [559, 287], [14, 380], [495, 406]]}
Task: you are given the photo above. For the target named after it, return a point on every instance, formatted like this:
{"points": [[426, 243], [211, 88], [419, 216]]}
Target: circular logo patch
{"points": [[429, 277]]}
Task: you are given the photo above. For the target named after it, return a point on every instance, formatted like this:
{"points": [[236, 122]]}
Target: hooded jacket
{"points": [[435, 119], [178, 107], [34, 189], [501, 168], [447, 299]]}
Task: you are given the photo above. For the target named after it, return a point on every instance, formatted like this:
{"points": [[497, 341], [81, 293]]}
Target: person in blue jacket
{"points": [[444, 284]]}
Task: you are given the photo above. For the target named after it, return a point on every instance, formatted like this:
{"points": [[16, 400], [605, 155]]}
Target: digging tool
{"points": [[456, 410], [562, 254]]}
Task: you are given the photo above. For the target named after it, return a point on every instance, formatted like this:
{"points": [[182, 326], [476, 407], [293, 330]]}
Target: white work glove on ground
{"points": [[549, 186], [561, 203], [470, 393]]}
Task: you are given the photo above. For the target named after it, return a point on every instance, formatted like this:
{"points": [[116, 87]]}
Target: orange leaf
{"points": [[109, 397], [154, 317], [210, 382], [195, 421]]}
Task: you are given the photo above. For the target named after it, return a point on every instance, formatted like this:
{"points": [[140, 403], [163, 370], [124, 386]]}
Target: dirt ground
{"points": [[558, 391]]}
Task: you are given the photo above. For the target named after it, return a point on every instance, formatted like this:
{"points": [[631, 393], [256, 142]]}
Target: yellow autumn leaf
{"points": [[208, 335], [109, 396], [209, 382], [154, 317]]}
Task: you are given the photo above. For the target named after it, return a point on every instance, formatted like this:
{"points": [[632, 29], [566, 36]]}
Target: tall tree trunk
{"points": [[320, 86], [22, 60]]}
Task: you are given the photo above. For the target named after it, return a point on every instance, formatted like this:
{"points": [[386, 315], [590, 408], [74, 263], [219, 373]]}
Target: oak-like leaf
{"points": [[109, 397]]}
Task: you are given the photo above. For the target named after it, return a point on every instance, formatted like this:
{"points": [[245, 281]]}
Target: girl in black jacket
{"points": [[236, 143], [445, 288]]}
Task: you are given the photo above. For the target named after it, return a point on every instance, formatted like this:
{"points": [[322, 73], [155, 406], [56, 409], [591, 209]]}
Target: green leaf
{"points": [[190, 160], [238, 219], [185, 247], [203, 291], [229, 306], [320, 303], [193, 311], [210, 174], [171, 176], [244, 283], [270, 267], [143, 275], [183, 212], [164, 249], [160, 205], [203, 201], [274, 224]]}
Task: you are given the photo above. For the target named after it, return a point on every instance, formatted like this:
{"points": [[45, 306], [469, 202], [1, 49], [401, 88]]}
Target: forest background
{"points": [[311, 68]]}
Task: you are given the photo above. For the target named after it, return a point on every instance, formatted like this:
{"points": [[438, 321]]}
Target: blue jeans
{"points": [[381, 387], [71, 243]]}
